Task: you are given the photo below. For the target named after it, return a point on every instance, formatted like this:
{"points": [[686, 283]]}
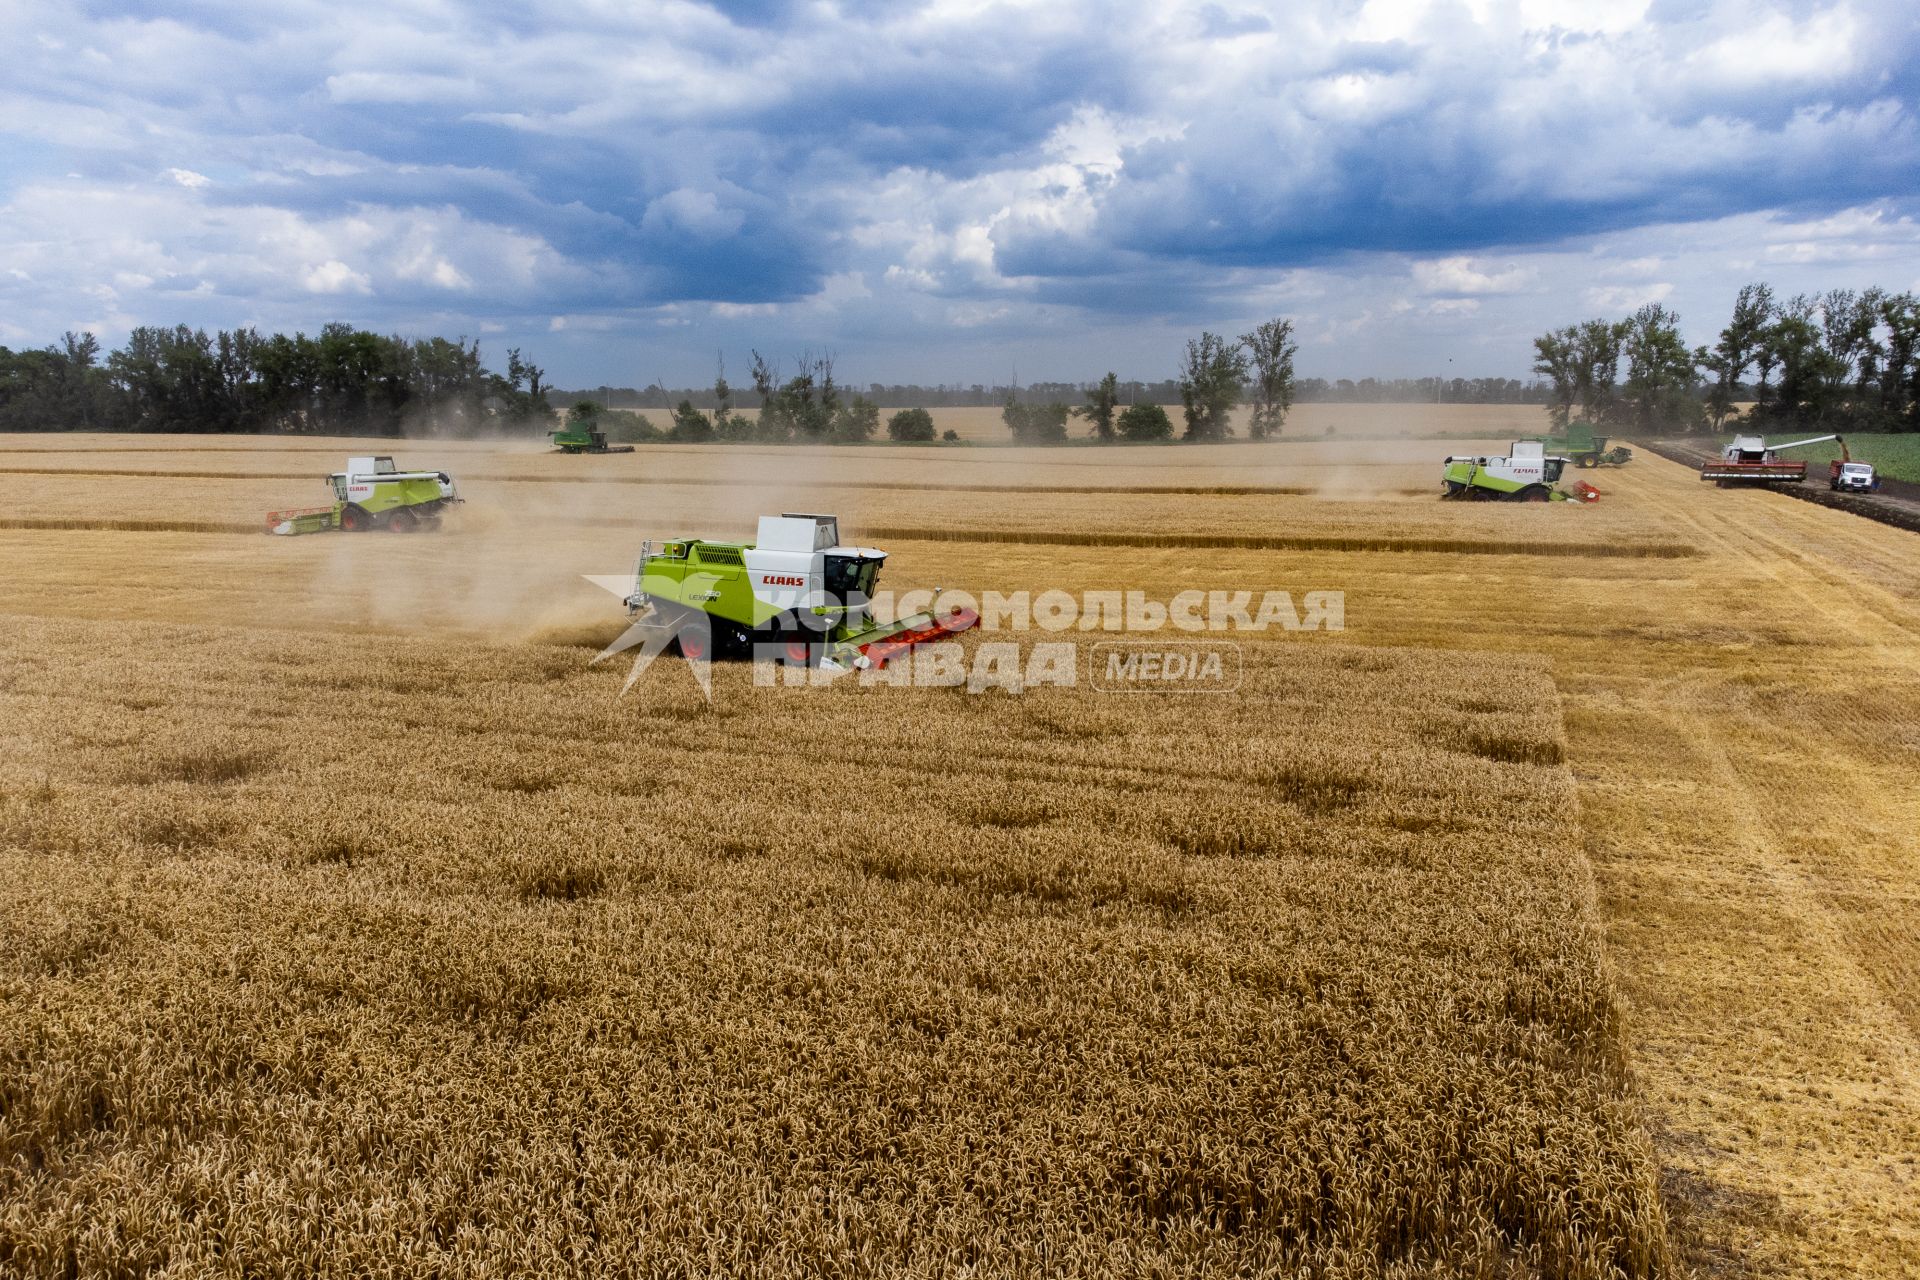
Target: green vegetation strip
{"points": [[1895, 456]]}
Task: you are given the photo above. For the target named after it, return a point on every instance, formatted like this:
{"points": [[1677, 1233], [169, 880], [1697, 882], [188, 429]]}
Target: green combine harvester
{"points": [[795, 594], [1581, 446], [372, 493], [1526, 474], [578, 437]]}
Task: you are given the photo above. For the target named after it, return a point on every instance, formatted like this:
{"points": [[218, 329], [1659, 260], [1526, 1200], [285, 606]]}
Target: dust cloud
{"points": [[511, 564]]}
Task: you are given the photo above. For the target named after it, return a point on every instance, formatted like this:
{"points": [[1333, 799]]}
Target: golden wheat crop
{"points": [[1353, 493], [372, 955], [348, 922]]}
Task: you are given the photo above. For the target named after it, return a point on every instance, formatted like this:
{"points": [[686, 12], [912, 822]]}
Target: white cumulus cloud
{"points": [[334, 276]]}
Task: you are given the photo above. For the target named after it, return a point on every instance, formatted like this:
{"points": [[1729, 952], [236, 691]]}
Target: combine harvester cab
{"points": [[795, 591], [1750, 460], [1526, 474], [372, 493]]}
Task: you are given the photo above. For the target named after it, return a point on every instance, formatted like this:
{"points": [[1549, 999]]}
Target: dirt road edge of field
{"points": [[1897, 503]]}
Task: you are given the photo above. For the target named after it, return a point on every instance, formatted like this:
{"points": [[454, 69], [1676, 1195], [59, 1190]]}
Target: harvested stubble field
{"points": [[355, 924]]}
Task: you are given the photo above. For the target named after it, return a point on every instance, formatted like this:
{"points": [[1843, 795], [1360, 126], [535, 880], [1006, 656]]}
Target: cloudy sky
{"points": [[947, 191]]}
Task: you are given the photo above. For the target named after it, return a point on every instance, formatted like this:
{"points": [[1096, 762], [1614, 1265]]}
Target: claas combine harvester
{"points": [[372, 493], [795, 594], [1525, 474]]}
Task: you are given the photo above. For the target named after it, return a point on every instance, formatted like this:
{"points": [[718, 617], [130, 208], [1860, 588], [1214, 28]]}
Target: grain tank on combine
{"points": [[795, 593], [1524, 474], [372, 493]]}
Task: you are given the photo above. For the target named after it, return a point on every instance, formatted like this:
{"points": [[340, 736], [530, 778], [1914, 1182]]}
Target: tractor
{"points": [[583, 437]]}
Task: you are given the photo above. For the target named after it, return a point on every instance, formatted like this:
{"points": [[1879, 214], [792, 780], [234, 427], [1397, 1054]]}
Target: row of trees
{"points": [[1047, 423], [1841, 361], [1838, 361], [1215, 375], [1583, 364], [808, 406], [854, 422], [344, 380], [1128, 391]]}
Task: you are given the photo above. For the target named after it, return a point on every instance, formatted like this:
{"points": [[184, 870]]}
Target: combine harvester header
{"points": [[372, 493], [796, 589], [1751, 460]]}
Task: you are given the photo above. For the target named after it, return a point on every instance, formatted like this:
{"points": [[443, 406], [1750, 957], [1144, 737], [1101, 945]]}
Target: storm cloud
{"points": [[934, 189]]}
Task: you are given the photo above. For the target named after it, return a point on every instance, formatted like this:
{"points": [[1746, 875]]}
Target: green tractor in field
{"points": [[580, 437], [795, 594], [1584, 448], [579, 432], [372, 493]]}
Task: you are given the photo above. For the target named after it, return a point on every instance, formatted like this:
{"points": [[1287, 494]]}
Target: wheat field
{"points": [[1558, 917]]}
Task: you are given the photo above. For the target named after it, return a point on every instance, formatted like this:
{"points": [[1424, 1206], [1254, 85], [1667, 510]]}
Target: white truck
{"points": [[1848, 476]]}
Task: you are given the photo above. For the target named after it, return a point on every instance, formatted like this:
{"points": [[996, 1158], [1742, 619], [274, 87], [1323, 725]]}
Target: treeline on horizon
{"points": [[342, 381], [1832, 362], [1837, 361], [1166, 391], [349, 381], [1216, 374]]}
